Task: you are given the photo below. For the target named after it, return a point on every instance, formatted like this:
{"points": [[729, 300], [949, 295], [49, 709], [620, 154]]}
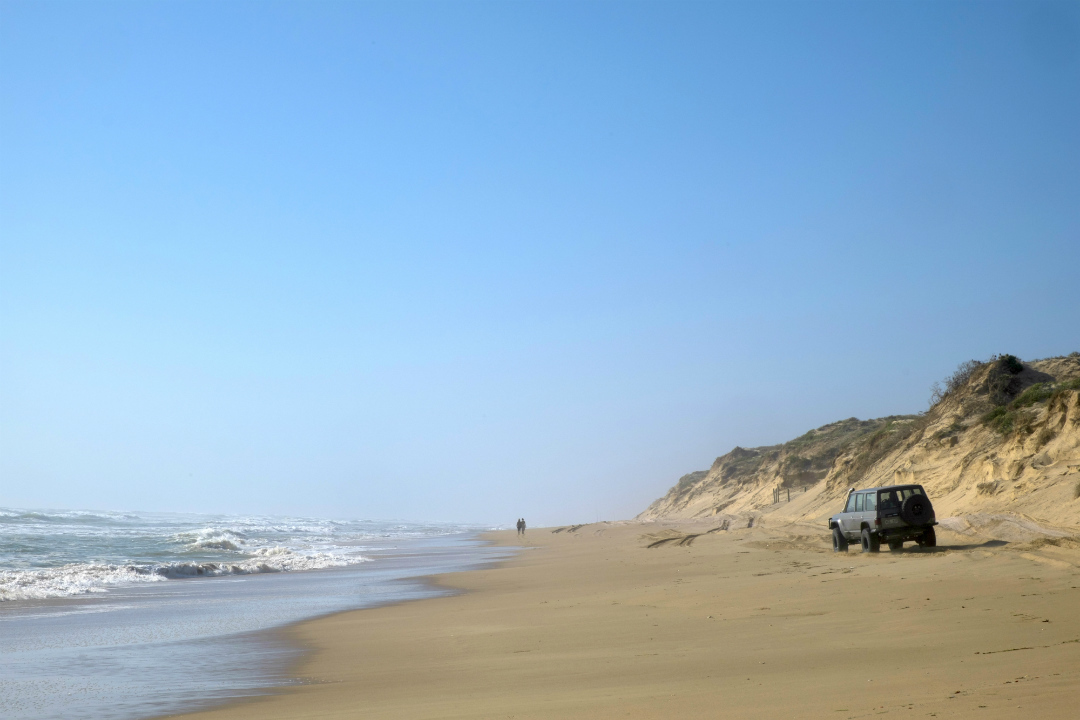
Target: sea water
{"points": [[131, 615]]}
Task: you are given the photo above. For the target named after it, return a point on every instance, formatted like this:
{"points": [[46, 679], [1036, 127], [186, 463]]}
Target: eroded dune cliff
{"points": [[1002, 441]]}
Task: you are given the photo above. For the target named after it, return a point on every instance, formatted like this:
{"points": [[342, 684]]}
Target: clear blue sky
{"points": [[477, 261]]}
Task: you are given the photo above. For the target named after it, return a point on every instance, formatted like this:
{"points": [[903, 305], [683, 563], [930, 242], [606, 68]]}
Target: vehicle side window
{"points": [[871, 501], [859, 502], [850, 504]]}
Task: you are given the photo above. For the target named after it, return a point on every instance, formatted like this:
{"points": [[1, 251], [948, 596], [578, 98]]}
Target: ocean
{"points": [[117, 616]]}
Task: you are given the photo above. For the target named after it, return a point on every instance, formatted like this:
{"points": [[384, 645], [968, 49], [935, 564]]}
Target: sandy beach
{"points": [[302, 303], [660, 620]]}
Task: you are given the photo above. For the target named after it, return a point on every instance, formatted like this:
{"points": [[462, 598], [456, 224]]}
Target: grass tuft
{"points": [[1000, 419], [1037, 393]]}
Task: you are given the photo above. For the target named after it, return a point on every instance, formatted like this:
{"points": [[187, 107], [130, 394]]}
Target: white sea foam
{"points": [[48, 554], [68, 580], [87, 578]]}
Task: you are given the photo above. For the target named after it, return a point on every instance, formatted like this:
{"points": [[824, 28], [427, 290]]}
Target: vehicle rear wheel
{"points": [[928, 539], [870, 542], [839, 542], [896, 545]]}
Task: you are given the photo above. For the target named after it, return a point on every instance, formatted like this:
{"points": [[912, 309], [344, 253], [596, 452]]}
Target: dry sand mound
{"points": [[999, 453]]}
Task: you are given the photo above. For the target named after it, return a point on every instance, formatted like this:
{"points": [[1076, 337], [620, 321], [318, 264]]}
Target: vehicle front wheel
{"points": [[870, 542], [839, 542], [928, 539], [896, 545]]}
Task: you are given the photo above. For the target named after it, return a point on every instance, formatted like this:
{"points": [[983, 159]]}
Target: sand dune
{"points": [[1004, 443]]}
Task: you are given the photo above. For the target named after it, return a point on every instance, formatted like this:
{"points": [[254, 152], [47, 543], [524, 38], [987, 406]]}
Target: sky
{"points": [[480, 261]]}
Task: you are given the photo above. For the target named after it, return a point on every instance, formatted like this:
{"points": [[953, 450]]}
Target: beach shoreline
{"points": [[150, 649], [292, 634], [659, 619]]}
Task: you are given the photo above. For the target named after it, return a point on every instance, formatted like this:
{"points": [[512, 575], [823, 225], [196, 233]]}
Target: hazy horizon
{"points": [[476, 261]]}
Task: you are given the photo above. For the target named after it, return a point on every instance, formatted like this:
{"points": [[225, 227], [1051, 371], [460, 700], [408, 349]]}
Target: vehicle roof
{"points": [[887, 487]]}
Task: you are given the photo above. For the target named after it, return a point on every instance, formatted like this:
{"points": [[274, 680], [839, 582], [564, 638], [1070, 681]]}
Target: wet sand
{"points": [[748, 623]]}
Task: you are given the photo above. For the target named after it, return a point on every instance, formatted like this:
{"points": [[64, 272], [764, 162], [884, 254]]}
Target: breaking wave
{"points": [[53, 554], [212, 539], [87, 578]]}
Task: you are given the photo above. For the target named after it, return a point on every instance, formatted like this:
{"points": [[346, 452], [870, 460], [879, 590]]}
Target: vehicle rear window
{"points": [[891, 499]]}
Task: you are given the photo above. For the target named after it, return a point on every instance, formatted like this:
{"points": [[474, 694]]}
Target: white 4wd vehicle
{"points": [[891, 514]]}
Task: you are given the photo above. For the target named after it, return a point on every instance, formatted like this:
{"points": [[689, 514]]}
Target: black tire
{"points": [[917, 510], [928, 539], [839, 542], [870, 542], [896, 545]]}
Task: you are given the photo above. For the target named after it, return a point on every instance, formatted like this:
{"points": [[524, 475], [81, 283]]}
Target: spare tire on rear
{"points": [[917, 510]]}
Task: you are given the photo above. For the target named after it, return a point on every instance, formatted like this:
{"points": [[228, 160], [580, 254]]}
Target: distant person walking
{"points": [[521, 526]]}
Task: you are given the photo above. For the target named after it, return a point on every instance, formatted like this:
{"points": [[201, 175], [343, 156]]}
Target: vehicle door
{"points": [[889, 508], [869, 513], [889, 503], [853, 514], [843, 519]]}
